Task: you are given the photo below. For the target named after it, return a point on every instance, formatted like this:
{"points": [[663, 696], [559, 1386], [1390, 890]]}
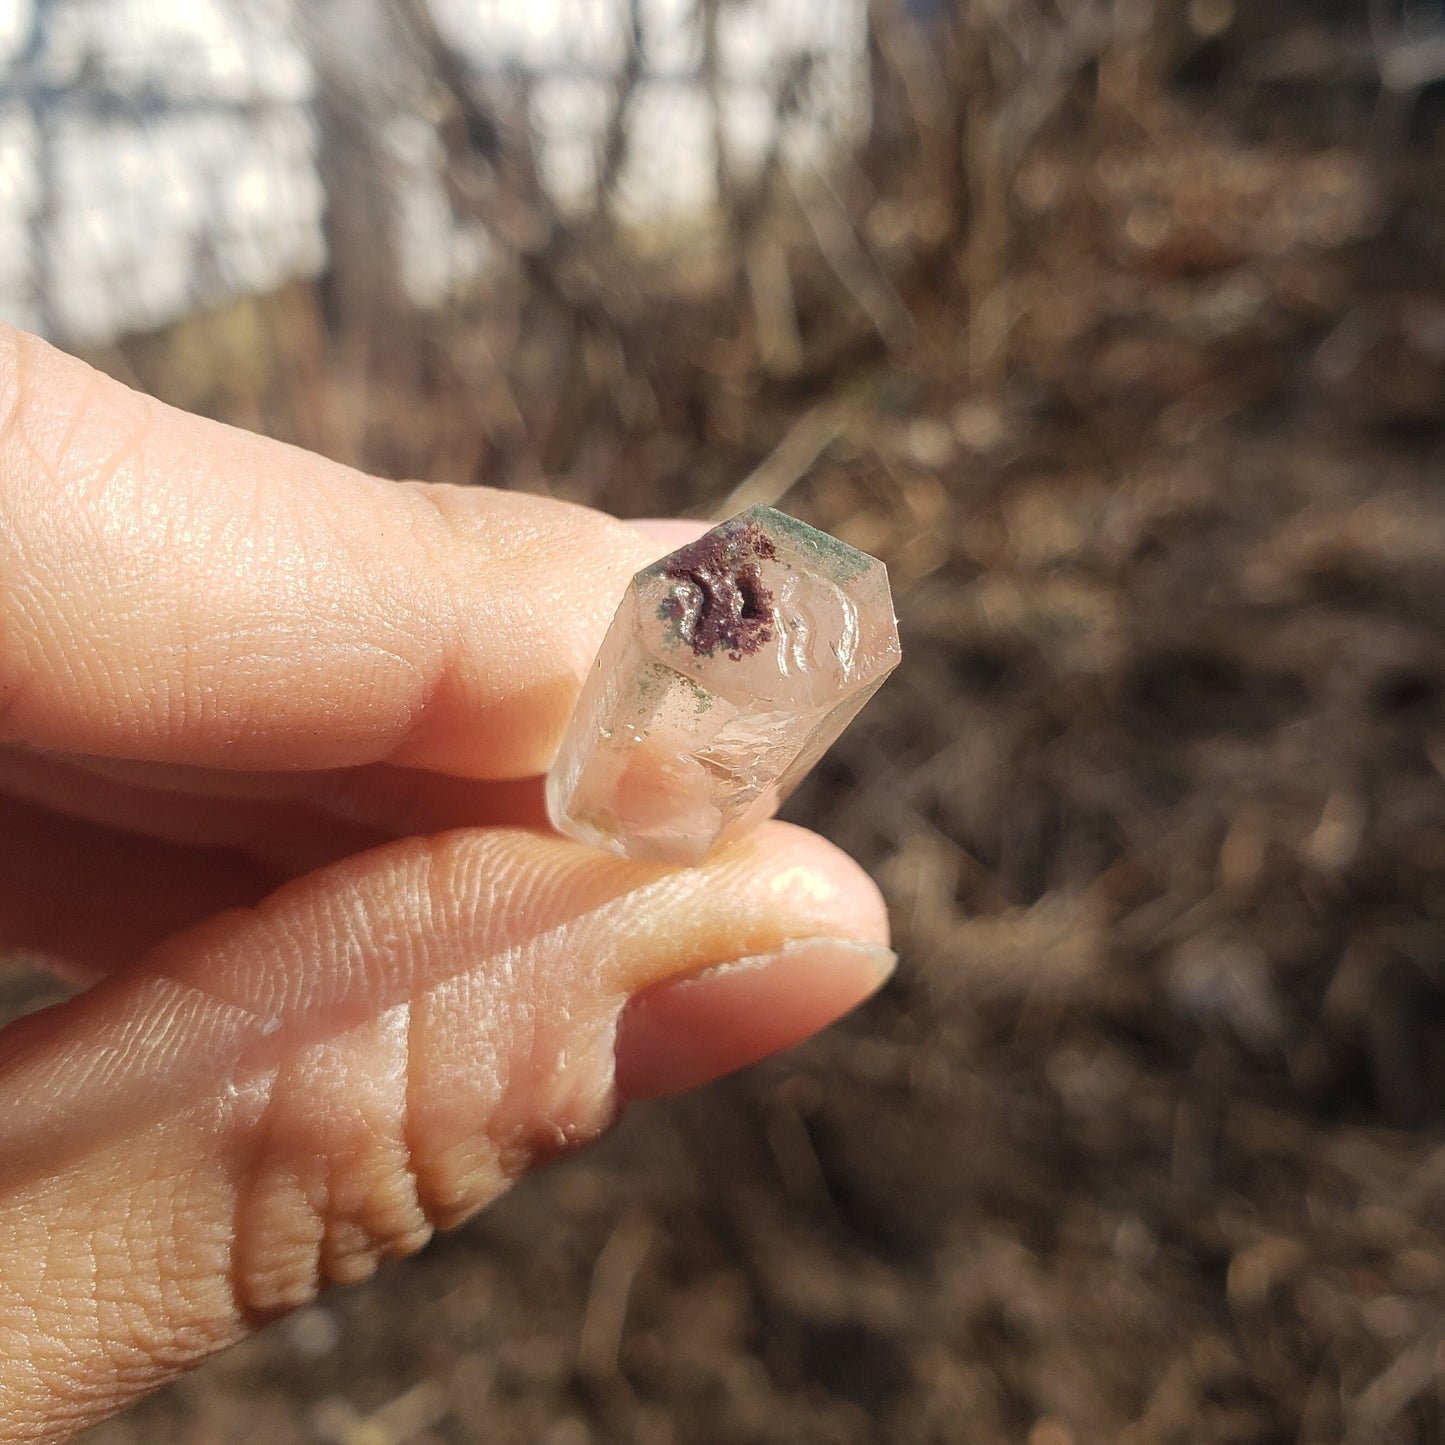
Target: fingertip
{"points": [[686, 1032], [667, 534], [806, 878], [681, 1031]]}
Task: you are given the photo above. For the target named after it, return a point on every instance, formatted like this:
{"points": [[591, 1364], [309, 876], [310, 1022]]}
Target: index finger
{"points": [[175, 590]]}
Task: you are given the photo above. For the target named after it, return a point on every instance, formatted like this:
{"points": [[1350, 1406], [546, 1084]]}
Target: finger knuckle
{"points": [[329, 1191]]}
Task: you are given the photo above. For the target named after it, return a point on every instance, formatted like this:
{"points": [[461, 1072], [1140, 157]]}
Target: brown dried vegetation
{"points": [[1124, 346]]}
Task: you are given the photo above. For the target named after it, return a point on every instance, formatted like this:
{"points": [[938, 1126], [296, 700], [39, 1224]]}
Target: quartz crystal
{"points": [[729, 669]]}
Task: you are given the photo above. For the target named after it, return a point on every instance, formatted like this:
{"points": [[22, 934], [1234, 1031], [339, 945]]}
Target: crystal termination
{"points": [[729, 669]]}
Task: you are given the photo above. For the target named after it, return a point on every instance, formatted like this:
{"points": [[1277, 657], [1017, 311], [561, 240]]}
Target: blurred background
{"points": [[1117, 328]]}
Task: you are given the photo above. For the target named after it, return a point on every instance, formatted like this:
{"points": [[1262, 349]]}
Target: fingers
{"points": [[176, 590], [286, 823], [86, 899], [316, 816], [290, 1093], [669, 533], [284, 831]]}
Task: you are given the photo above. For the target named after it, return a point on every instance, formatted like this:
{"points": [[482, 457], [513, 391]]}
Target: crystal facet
{"points": [[729, 669]]}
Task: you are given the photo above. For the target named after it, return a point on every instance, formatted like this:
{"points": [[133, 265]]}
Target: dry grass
{"points": [[1142, 403]]}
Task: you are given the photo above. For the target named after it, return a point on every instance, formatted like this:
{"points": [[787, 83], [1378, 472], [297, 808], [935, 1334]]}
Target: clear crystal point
{"points": [[730, 668]]}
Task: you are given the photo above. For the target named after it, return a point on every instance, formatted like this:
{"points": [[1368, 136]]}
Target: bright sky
{"points": [[15, 16], [147, 216]]}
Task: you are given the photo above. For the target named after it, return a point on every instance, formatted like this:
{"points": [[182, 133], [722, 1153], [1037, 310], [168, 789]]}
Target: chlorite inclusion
{"points": [[730, 668]]}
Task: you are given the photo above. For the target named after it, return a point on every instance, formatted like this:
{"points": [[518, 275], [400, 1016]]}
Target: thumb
{"points": [[291, 1093]]}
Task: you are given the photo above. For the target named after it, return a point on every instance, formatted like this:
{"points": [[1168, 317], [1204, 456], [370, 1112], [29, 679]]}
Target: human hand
{"points": [[270, 733]]}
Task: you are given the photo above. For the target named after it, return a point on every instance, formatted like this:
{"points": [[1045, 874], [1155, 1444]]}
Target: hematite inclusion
{"points": [[730, 668], [720, 599]]}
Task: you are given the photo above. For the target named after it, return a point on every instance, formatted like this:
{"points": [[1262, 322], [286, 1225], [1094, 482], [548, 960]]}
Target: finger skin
{"points": [[319, 816], [292, 1092], [688, 1031], [177, 590], [284, 836], [86, 899], [669, 533]]}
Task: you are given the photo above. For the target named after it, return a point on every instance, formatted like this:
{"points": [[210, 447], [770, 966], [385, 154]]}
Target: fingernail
{"points": [[689, 1031]]}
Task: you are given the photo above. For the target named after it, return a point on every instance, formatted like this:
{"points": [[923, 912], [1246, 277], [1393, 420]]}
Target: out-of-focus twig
{"points": [[1021, 69], [788, 462], [607, 1299], [848, 259]]}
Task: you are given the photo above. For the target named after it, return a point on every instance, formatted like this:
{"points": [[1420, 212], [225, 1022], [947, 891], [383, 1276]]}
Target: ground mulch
{"points": [[1143, 1142]]}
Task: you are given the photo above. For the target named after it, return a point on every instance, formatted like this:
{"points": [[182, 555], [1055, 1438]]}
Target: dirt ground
{"points": [[1129, 359]]}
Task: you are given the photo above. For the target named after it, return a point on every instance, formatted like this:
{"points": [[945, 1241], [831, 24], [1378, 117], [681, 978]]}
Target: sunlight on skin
{"points": [[267, 731]]}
